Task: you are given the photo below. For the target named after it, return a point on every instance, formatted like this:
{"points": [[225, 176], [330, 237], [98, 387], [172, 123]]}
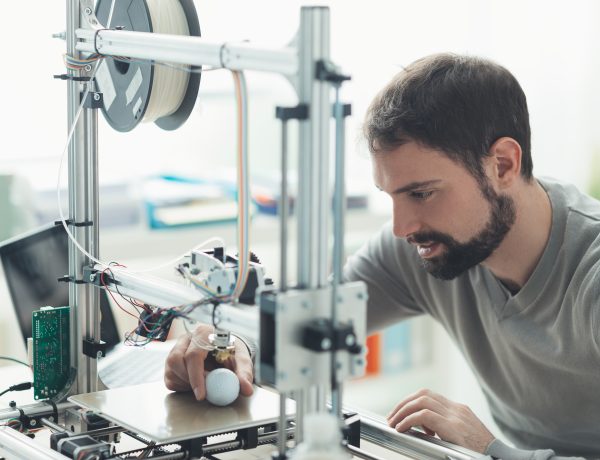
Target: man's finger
{"points": [[194, 362], [174, 383], [426, 418], [416, 405], [244, 371], [176, 375]]}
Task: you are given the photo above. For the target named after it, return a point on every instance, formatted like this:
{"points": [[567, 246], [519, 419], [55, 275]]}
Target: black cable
{"points": [[19, 387], [8, 358]]}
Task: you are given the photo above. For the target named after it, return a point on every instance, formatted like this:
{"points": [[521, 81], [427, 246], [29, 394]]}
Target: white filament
{"points": [[170, 83]]}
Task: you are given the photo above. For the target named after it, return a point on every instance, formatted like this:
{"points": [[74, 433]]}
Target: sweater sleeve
{"points": [[382, 263], [498, 449]]}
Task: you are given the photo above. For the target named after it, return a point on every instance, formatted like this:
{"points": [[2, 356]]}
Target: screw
{"points": [[33, 422], [87, 68], [98, 354], [338, 365], [350, 340], [359, 362], [305, 371], [88, 11], [325, 344], [360, 296], [92, 277], [96, 96]]}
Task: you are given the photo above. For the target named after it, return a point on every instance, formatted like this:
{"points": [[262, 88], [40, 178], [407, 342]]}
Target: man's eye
{"points": [[421, 195]]}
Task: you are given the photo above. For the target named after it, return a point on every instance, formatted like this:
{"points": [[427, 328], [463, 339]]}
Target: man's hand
{"points": [[451, 421], [188, 364]]}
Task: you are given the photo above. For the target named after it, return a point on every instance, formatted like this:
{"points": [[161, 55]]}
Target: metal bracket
{"points": [[284, 318]]}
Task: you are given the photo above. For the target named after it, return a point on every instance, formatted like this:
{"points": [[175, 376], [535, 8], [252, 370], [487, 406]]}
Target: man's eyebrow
{"points": [[415, 186]]}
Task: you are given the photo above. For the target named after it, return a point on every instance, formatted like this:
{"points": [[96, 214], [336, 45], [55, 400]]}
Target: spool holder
{"points": [[127, 85]]}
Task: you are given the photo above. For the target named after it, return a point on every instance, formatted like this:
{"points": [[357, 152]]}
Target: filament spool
{"points": [[138, 90]]}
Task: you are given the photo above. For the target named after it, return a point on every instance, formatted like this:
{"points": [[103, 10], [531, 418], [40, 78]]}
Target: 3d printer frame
{"points": [[332, 305]]}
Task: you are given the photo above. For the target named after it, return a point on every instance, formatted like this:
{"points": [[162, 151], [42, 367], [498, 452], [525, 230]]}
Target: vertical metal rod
{"points": [[92, 295], [283, 207], [283, 215], [313, 204], [83, 207], [282, 432], [299, 397], [339, 204], [73, 92]]}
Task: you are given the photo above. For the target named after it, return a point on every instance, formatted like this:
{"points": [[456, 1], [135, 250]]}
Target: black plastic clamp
{"points": [[64, 76], [70, 222], [94, 349], [94, 100], [24, 419], [351, 429], [299, 112], [70, 279], [194, 447], [248, 437], [321, 335], [347, 111], [327, 71], [54, 416]]}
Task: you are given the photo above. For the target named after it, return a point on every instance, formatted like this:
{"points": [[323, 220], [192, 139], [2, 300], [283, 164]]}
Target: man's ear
{"points": [[505, 161]]}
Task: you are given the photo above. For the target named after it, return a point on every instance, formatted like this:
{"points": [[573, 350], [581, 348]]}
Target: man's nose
{"points": [[405, 223]]}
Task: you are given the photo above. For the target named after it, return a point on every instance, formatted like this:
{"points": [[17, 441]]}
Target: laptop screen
{"points": [[32, 265]]}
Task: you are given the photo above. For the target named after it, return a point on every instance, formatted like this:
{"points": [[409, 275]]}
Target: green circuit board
{"points": [[51, 363]]}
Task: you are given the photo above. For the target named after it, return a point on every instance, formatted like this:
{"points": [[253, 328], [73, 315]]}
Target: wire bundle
{"points": [[168, 90], [153, 322]]}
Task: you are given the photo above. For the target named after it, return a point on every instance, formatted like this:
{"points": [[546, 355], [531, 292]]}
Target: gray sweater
{"points": [[536, 354]]}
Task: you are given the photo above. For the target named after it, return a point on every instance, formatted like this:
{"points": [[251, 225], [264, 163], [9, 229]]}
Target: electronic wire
{"points": [[69, 138], [243, 184], [8, 358], [242, 161]]}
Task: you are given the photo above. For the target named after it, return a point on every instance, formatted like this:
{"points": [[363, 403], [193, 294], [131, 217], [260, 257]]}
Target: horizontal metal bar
{"points": [[155, 291], [361, 453], [17, 446], [412, 444], [181, 49], [35, 410]]}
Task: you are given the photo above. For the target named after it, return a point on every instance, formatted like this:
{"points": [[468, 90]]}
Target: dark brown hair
{"points": [[458, 104]]}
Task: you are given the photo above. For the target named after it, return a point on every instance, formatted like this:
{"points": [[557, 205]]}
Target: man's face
{"points": [[438, 206]]}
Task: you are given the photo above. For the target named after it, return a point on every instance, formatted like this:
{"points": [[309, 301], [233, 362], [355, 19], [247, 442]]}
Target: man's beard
{"points": [[459, 257]]}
